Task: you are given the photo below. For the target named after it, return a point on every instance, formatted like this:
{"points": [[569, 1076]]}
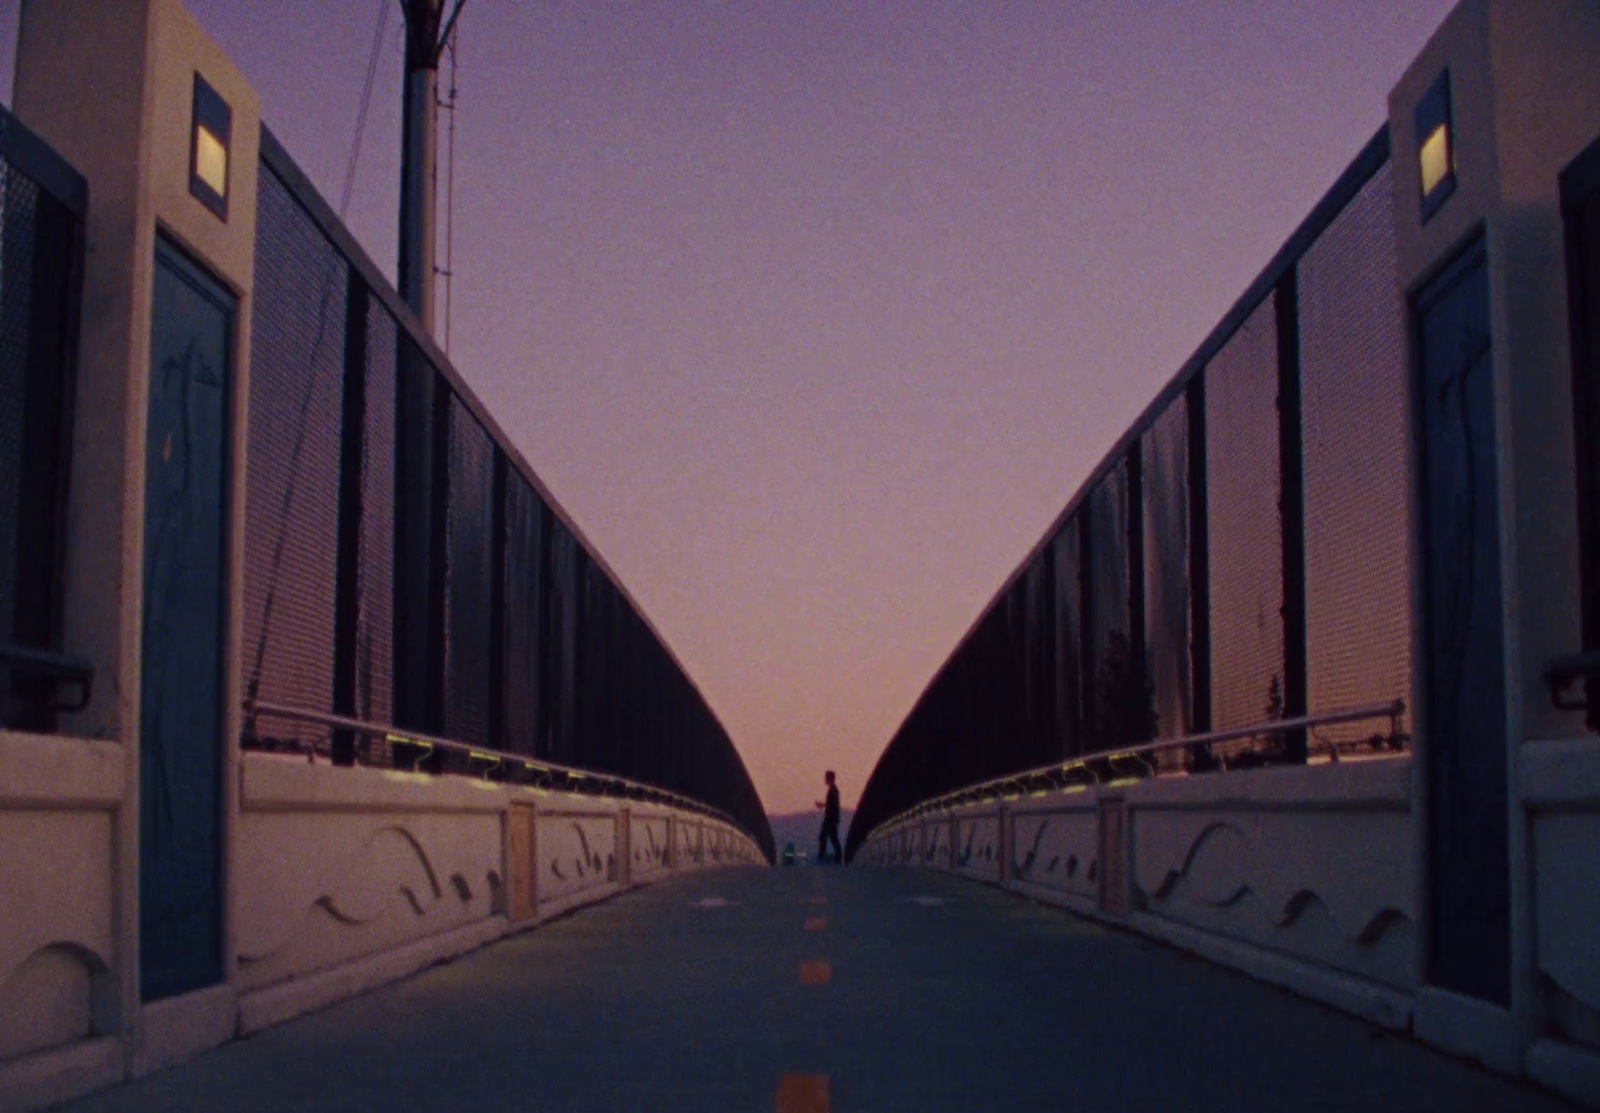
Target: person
{"points": [[830, 822]]}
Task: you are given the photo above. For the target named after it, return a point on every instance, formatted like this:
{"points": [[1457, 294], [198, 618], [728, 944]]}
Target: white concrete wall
{"points": [[110, 86], [335, 864], [349, 877], [60, 946], [650, 844], [1526, 102], [1300, 876], [341, 879]]}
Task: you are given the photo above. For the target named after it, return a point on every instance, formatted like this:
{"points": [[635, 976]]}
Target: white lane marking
{"points": [[928, 902], [713, 902]]}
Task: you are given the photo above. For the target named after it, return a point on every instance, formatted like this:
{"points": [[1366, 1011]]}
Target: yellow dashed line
{"points": [[817, 923], [803, 1093]]}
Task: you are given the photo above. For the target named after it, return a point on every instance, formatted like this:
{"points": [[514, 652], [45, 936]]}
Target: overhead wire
{"points": [[447, 272], [361, 114]]}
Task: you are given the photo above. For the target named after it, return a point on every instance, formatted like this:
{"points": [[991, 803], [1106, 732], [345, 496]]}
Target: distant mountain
{"points": [[802, 828]]}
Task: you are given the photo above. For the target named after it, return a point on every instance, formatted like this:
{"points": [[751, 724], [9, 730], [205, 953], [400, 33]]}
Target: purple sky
{"points": [[814, 314]]}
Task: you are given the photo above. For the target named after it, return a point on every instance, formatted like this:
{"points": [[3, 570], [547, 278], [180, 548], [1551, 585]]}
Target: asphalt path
{"points": [[812, 990]]}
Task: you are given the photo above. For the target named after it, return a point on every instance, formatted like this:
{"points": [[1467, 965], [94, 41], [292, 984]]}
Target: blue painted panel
{"points": [[180, 730], [1464, 680]]}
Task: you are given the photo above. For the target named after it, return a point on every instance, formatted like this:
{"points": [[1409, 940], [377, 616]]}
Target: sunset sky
{"points": [[814, 314]]}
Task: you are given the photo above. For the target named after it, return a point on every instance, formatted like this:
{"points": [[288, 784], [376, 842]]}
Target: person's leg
{"points": [[822, 845], [838, 851]]}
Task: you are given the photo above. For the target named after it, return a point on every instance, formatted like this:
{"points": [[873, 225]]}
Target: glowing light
{"points": [[816, 972], [1435, 158], [211, 130], [1435, 145], [803, 1093], [210, 160]]}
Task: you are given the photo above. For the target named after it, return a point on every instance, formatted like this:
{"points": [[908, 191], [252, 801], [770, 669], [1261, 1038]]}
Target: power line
{"points": [[361, 115], [447, 272]]}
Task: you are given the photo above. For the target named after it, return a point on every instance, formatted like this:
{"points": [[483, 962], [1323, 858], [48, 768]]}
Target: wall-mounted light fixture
{"points": [[211, 129], [1436, 156]]}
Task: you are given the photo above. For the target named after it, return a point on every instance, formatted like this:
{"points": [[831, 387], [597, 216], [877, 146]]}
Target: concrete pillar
{"points": [[625, 847], [112, 87]]}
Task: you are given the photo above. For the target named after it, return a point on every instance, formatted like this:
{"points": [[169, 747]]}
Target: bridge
{"points": [[325, 725]]}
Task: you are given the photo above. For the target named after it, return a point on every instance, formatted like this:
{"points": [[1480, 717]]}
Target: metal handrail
{"points": [[53, 666], [1085, 765], [542, 773]]}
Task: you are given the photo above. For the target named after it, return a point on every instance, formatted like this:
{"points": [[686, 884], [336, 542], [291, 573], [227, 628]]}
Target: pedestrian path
{"points": [[814, 990]]}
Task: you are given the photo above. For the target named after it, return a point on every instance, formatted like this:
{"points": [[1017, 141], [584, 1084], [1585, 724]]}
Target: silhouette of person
{"points": [[830, 822]]}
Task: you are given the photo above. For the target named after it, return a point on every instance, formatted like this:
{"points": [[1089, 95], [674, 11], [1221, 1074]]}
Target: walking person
{"points": [[830, 823]]}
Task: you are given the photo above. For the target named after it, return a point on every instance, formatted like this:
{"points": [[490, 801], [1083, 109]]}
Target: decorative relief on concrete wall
{"points": [[977, 844], [576, 853], [1332, 886], [55, 927], [54, 997], [1058, 850], [319, 889], [1567, 918], [691, 844], [649, 846]]}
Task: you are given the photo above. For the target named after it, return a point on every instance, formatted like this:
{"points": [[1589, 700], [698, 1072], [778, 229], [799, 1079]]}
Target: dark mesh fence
{"points": [[561, 645], [524, 589], [1233, 563], [1117, 697], [1068, 622], [593, 680], [374, 699], [19, 200], [1164, 450], [1357, 496], [18, 203], [1246, 529], [393, 550], [471, 626], [292, 470], [40, 249], [1037, 619]]}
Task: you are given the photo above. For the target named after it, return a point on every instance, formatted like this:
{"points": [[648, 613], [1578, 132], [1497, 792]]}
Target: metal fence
{"points": [[414, 597], [42, 205], [1231, 586]]}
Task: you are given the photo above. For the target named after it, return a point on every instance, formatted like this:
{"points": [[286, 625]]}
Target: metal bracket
{"points": [[53, 666], [1563, 672]]}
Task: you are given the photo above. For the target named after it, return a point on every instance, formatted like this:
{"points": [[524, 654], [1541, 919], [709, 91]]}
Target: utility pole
{"points": [[427, 31]]}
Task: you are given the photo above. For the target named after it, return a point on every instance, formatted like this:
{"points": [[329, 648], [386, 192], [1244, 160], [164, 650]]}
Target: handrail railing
{"points": [[57, 668], [494, 765], [1131, 763]]}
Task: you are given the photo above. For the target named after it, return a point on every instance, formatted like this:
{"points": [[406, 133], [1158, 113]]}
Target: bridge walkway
{"points": [[815, 989]]}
